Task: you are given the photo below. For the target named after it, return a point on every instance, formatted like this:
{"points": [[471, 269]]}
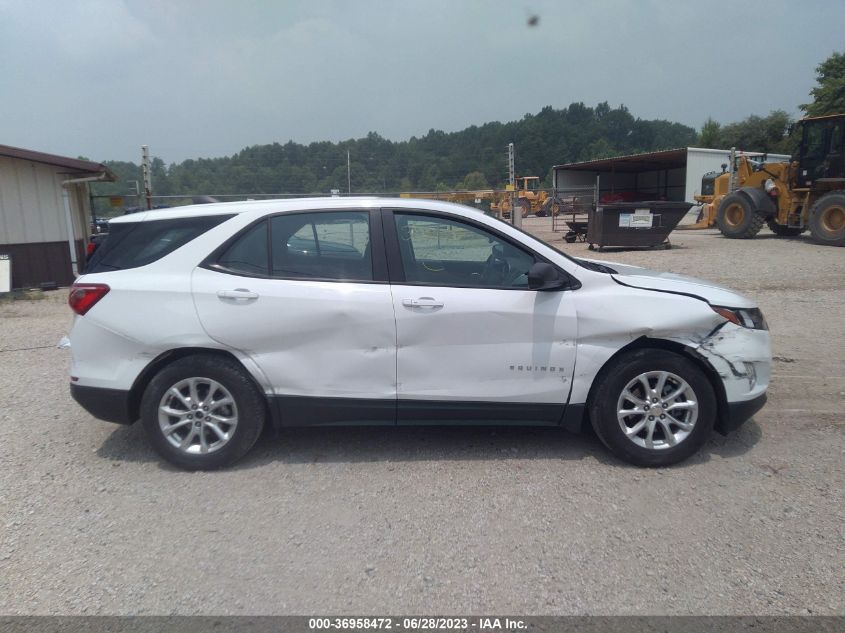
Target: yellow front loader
{"points": [[807, 193]]}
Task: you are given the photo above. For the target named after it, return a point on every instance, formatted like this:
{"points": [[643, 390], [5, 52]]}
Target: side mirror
{"points": [[543, 276]]}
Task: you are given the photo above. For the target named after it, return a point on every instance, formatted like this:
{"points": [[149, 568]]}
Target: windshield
{"points": [[583, 263]]}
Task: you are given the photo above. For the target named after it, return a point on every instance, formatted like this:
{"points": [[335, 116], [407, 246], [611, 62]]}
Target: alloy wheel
{"points": [[197, 415], [657, 410]]}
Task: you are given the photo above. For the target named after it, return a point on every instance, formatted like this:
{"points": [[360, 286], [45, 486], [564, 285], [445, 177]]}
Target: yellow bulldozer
{"points": [[806, 193], [529, 197]]}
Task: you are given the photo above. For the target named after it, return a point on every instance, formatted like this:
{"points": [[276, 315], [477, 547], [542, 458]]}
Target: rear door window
{"points": [[248, 253], [135, 244], [325, 245], [322, 245]]}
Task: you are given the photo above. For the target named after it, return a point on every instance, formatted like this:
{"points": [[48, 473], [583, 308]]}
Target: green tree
{"points": [[600, 148], [829, 94], [710, 134], [754, 133], [473, 158], [474, 180]]}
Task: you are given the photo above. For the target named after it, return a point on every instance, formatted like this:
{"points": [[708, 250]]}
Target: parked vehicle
{"points": [[529, 197], [807, 193], [94, 242], [205, 322], [99, 225]]}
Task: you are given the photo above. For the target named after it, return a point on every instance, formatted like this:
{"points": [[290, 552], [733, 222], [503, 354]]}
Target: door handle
{"points": [[422, 302], [237, 293]]}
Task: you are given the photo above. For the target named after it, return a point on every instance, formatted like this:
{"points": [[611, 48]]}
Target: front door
{"points": [[474, 342]]}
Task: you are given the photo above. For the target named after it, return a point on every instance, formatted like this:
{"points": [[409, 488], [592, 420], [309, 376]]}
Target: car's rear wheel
{"points": [[653, 407], [202, 412]]}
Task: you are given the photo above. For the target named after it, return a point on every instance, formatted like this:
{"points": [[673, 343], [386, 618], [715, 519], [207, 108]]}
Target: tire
{"points": [[543, 211], [686, 434], [784, 231], [827, 219], [219, 435], [737, 219]]}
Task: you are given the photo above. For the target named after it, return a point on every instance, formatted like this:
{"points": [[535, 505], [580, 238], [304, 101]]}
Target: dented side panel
{"points": [[310, 338], [141, 317]]}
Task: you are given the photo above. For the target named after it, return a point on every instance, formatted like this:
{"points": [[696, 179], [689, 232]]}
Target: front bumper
{"points": [[111, 405], [742, 358], [738, 413]]}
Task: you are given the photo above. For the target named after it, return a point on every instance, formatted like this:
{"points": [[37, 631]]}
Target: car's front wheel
{"points": [[653, 407], [202, 412]]}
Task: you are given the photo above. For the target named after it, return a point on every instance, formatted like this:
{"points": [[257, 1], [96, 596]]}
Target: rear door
{"points": [[474, 342], [306, 296]]}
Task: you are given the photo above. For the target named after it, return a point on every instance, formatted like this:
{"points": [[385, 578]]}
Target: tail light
{"points": [[89, 250], [83, 296]]}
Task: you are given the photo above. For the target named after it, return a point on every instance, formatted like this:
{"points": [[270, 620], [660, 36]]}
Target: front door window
{"points": [[442, 252]]}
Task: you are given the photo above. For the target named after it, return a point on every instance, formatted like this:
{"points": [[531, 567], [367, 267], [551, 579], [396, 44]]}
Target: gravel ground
{"points": [[442, 520]]}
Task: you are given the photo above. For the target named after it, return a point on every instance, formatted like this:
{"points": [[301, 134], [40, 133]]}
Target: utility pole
{"points": [[516, 210], [147, 174], [348, 174]]}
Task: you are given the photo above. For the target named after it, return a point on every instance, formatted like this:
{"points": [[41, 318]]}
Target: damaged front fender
{"points": [[740, 357], [743, 359]]}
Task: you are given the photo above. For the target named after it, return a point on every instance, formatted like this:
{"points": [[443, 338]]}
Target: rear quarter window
{"points": [[135, 244]]}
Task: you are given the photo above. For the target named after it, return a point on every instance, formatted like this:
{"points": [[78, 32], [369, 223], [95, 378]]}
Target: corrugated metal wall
{"points": [[31, 208], [33, 222], [35, 264], [676, 184], [668, 183]]}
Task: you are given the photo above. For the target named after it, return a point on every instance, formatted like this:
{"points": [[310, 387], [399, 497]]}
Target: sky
{"points": [[206, 78]]}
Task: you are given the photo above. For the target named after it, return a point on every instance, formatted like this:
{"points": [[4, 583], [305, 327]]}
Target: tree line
{"points": [[472, 158]]}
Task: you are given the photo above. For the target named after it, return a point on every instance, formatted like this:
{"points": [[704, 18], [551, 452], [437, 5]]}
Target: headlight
{"points": [[744, 317]]}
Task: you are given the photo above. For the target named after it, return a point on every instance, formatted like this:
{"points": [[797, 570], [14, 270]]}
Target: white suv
{"points": [[207, 321]]}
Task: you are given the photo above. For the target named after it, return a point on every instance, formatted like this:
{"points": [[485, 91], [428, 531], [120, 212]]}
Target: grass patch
{"points": [[21, 295]]}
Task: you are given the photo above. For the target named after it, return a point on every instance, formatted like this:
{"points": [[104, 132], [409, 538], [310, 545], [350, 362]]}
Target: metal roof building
{"points": [[45, 213], [673, 174]]}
